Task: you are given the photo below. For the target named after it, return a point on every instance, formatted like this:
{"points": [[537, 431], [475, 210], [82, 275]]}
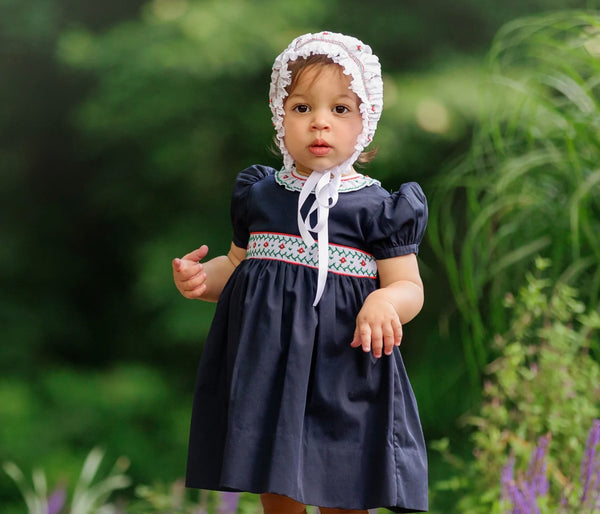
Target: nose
{"points": [[320, 120]]}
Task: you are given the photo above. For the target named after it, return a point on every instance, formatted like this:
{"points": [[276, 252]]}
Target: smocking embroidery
{"points": [[343, 260], [292, 182]]}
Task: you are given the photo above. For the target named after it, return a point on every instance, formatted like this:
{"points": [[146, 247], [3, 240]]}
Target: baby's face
{"points": [[322, 119]]}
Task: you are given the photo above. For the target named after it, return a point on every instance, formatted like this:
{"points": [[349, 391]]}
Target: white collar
{"points": [[293, 181]]}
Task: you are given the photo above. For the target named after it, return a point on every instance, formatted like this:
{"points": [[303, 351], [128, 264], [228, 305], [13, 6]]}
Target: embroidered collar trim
{"points": [[292, 181]]}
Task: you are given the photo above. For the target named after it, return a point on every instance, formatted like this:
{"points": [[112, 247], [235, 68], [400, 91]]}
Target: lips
{"points": [[319, 147]]}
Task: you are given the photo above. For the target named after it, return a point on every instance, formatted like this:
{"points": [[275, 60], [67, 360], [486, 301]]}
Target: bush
{"points": [[545, 381], [527, 492]]}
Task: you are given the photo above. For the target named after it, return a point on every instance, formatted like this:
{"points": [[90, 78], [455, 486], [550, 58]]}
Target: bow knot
{"points": [[324, 185]]}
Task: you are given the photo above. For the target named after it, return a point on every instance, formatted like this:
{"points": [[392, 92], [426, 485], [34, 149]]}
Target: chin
{"points": [[324, 167]]}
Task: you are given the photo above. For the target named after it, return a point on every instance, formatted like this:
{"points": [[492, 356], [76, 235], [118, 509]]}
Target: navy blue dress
{"points": [[283, 403]]}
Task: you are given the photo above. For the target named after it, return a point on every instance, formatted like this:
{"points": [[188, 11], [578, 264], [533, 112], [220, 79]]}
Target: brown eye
{"points": [[340, 109], [302, 108]]}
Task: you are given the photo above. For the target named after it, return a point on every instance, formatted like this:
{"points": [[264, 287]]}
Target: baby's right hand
{"points": [[188, 273]]}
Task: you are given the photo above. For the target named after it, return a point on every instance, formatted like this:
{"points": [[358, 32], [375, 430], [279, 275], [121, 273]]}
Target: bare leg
{"points": [[278, 504]]}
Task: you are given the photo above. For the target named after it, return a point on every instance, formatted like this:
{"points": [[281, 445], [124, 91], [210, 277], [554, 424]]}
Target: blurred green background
{"points": [[122, 126]]}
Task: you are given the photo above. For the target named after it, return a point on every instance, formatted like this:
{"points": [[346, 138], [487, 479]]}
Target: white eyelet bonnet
{"points": [[356, 60]]}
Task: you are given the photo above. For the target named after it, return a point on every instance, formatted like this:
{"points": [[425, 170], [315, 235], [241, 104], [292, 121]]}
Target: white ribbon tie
{"points": [[325, 185]]}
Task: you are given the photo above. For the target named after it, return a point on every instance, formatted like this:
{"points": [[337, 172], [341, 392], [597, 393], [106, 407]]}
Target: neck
{"points": [[351, 172]]}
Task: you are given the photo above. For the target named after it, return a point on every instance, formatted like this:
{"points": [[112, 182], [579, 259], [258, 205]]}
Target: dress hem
{"points": [[224, 488]]}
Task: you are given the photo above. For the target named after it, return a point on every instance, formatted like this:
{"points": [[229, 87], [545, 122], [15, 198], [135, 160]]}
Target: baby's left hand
{"points": [[378, 326]]}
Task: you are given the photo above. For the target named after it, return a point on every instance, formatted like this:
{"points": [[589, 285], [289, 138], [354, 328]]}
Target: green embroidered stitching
{"points": [[342, 260]]}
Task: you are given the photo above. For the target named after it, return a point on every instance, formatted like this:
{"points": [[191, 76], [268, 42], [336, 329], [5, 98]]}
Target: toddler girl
{"points": [[322, 265]]}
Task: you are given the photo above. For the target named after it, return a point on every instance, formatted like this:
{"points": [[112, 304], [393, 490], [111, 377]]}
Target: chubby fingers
{"points": [[188, 273], [184, 270], [362, 337], [395, 334], [189, 279], [379, 335]]}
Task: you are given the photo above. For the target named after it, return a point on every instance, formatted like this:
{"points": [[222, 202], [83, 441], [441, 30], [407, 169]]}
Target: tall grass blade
{"points": [[34, 506], [530, 182]]}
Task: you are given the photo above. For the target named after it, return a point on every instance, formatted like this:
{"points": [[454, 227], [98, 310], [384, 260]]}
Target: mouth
{"points": [[319, 147]]}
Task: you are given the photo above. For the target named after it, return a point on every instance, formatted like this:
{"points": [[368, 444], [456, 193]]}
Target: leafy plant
{"points": [[526, 493], [530, 183], [521, 493], [176, 499], [88, 496], [545, 381]]}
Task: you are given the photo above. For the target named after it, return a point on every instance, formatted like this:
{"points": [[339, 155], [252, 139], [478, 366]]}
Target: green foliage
{"points": [[90, 496], [131, 410], [531, 182], [544, 381], [175, 499], [526, 491]]}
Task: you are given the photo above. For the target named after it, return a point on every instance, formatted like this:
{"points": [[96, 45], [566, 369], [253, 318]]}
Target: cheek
{"points": [[291, 129], [289, 136], [358, 127]]}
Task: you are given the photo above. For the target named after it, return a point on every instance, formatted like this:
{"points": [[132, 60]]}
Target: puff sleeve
{"points": [[240, 201], [398, 226]]}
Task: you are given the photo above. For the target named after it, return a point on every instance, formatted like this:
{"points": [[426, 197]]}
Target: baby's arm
{"points": [[205, 281], [399, 299]]}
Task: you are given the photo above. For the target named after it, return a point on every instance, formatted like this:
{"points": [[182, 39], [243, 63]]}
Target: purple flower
{"points": [[511, 491], [536, 480], [520, 504], [57, 500], [229, 503], [590, 466], [507, 478], [522, 492]]}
